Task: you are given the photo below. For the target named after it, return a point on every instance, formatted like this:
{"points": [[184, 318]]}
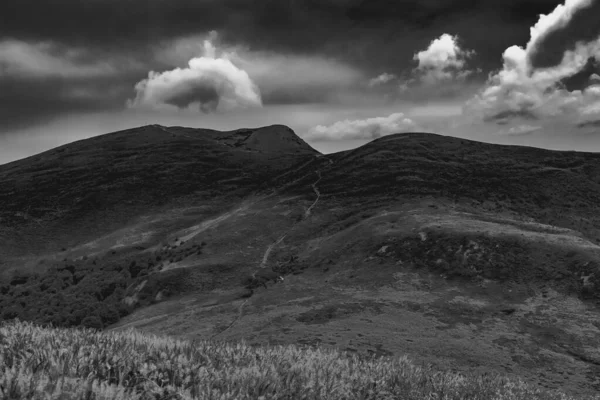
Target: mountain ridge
{"points": [[468, 255]]}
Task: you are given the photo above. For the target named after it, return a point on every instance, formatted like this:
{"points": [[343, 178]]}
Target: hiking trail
{"points": [[270, 247], [317, 192]]}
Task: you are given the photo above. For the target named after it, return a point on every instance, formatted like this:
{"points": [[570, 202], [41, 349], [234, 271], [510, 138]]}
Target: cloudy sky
{"points": [[339, 72]]}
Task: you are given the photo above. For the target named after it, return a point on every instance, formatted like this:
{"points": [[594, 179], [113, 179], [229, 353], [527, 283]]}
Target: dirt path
{"points": [[269, 248], [195, 230], [294, 170], [317, 192], [265, 258], [287, 185], [267, 253], [240, 313]]}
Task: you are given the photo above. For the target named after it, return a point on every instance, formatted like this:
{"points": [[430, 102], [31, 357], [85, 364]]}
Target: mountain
{"points": [[469, 256], [99, 184]]}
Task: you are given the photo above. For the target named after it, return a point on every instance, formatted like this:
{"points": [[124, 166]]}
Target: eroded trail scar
{"points": [[265, 258], [240, 312], [270, 248], [317, 192], [194, 231]]}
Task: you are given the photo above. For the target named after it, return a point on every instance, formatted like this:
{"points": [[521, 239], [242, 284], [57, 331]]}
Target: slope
{"points": [[466, 255], [100, 184]]}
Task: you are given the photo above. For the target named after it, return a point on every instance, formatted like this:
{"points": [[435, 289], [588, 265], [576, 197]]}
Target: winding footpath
{"points": [[317, 192], [269, 248], [267, 253], [236, 319]]}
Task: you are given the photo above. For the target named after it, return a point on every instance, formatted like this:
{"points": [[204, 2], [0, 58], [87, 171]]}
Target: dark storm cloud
{"points": [[42, 80], [583, 27], [24, 102], [589, 124], [105, 22], [373, 36], [358, 29]]}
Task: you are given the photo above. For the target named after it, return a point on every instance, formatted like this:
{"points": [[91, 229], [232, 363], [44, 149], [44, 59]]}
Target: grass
{"points": [[59, 363]]}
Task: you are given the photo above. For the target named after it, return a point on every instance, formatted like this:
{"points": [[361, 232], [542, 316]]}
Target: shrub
{"points": [[66, 294], [92, 321]]}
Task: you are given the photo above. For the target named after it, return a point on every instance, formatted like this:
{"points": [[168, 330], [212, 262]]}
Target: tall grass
{"points": [[65, 364]]}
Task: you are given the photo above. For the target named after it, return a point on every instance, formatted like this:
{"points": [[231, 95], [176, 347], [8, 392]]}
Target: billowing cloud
{"points": [[209, 83], [370, 128], [443, 60], [359, 31], [441, 72], [348, 41], [282, 78], [520, 88], [570, 23], [22, 59]]}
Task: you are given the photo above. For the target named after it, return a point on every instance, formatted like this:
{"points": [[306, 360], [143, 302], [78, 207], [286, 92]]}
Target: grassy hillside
{"points": [[46, 363], [94, 186], [469, 256], [561, 188]]}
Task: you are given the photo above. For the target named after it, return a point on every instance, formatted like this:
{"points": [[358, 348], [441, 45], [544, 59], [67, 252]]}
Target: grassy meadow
{"points": [[65, 363]]}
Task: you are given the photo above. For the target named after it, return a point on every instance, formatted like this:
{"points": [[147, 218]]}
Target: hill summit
{"points": [[269, 139]]}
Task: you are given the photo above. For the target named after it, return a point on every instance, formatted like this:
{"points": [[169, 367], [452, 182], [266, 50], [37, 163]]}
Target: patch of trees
{"points": [[168, 283], [74, 293], [176, 253], [89, 293], [466, 257], [474, 257]]}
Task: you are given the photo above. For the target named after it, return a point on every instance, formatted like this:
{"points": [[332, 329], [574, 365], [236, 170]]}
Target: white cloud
{"points": [[443, 60], [557, 19], [297, 78], [370, 128], [520, 130], [48, 60], [282, 78], [519, 89], [210, 82], [441, 72], [381, 79], [595, 78]]}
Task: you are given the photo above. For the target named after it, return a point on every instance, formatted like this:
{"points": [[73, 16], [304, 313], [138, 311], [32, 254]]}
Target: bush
{"points": [[92, 321], [11, 313], [68, 293]]}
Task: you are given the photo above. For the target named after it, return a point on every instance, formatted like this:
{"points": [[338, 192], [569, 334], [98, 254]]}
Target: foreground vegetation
{"points": [[59, 363], [90, 292]]}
